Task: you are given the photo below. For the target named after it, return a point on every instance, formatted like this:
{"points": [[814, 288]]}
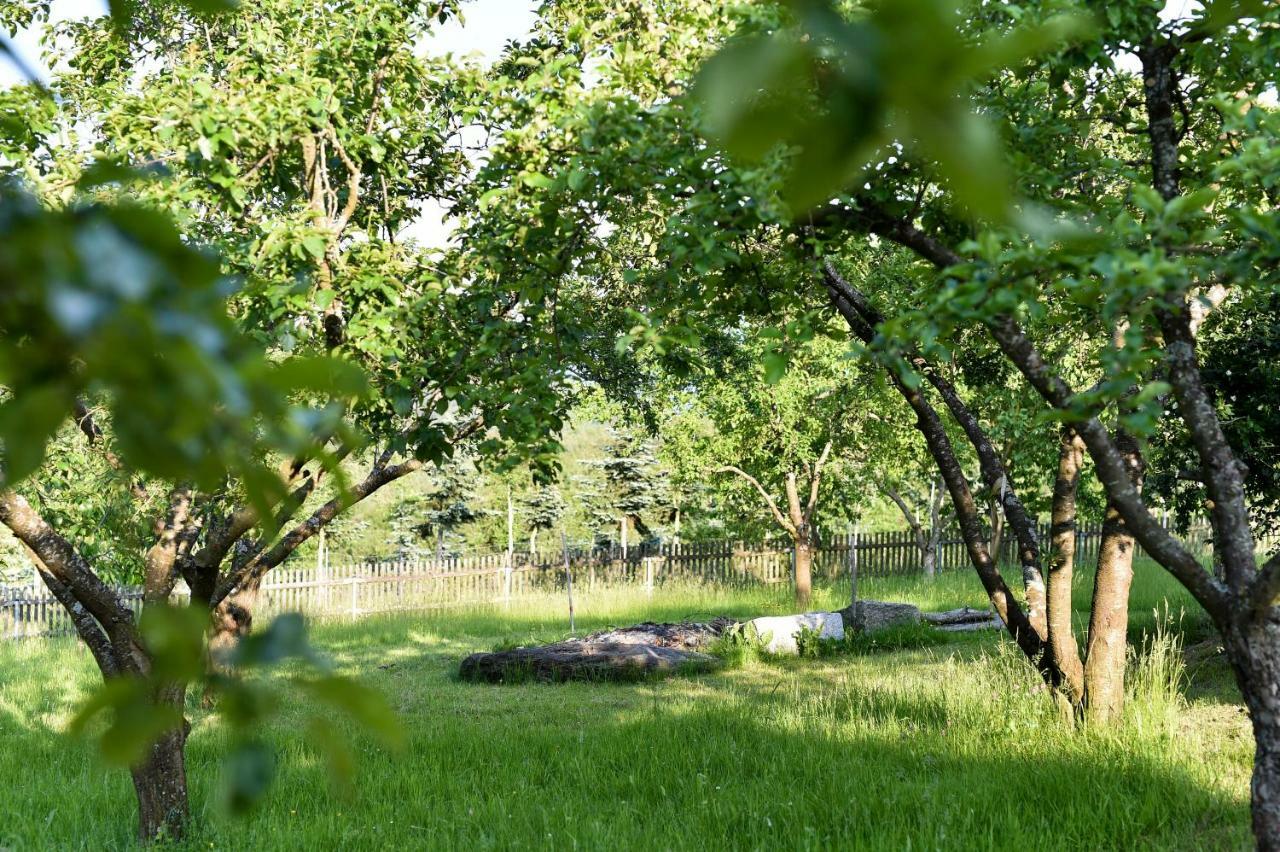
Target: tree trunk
{"points": [[1109, 612], [1062, 535], [1108, 622], [160, 781], [803, 558], [1254, 651], [997, 531], [936, 490], [232, 619]]}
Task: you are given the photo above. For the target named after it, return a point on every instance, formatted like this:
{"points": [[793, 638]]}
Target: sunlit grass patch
{"points": [[915, 740]]}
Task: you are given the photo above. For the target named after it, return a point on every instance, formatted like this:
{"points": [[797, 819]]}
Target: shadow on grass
{"points": [[818, 755]]}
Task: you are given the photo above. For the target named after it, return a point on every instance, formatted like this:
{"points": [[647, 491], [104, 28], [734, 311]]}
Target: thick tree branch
{"points": [[793, 501], [815, 479], [69, 568], [935, 434], [912, 521], [994, 473], [768, 498], [260, 564], [354, 174], [1223, 475], [160, 562], [87, 628]]}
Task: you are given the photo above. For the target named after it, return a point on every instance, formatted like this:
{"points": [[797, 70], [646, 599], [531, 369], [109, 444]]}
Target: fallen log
{"points": [[962, 615], [577, 659]]}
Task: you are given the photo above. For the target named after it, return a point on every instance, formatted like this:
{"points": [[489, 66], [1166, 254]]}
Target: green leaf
{"points": [[249, 769], [775, 367], [536, 180], [175, 638], [315, 245], [27, 422], [366, 706], [284, 638], [328, 375]]}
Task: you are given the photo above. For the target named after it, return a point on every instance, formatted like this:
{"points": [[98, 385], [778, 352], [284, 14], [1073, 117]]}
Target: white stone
{"points": [[780, 631]]}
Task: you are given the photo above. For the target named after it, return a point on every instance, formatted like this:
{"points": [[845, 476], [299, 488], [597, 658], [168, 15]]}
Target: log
{"points": [[577, 659], [962, 615], [682, 635]]}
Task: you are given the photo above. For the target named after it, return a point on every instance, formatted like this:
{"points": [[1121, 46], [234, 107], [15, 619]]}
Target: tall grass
{"points": [[955, 745]]}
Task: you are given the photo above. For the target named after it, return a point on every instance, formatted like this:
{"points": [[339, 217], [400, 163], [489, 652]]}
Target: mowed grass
{"points": [[950, 746]]}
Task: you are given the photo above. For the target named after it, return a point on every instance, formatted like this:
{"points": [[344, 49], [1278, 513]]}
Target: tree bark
{"points": [[1030, 640], [997, 530], [803, 571], [1062, 534], [1109, 613], [1254, 650], [232, 621], [160, 780]]}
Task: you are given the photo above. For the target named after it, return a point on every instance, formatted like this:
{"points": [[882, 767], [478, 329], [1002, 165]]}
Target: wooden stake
{"points": [[511, 545], [568, 579], [853, 567]]}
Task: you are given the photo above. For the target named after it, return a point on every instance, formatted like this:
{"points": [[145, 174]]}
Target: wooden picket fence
{"points": [[358, 589]]}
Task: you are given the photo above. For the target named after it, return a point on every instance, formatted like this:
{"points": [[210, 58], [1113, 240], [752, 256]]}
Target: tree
{"points": [[1203, 215], [153, 340], [543, 510], [307, 160], [926, 540], [785, 436], [630, 480], [234, 381]]}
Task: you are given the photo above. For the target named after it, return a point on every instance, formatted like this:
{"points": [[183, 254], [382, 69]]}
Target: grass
{"points": [[895, 747]]}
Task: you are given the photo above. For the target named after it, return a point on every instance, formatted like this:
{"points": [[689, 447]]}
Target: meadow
{"points": [[948, 744]]}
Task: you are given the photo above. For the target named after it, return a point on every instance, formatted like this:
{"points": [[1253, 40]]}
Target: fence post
{"points": [[355, 610], [648, 575], [853, 567]]}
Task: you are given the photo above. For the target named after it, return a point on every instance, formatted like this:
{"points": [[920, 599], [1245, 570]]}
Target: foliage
{"points": [[1240, 360], [109, 300], [631, 486], [174, 638]]}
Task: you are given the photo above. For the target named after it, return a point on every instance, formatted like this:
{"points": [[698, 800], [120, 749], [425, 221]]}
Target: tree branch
{"points": [[260, 564], [994, 472], [159, 575], [1029, 640], [815, 479], [87, 628], [768, 498], [907, 513], [69, 568]]}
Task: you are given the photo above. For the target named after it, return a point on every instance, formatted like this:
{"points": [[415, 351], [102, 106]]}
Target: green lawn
{"points": [[950, 746]]}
